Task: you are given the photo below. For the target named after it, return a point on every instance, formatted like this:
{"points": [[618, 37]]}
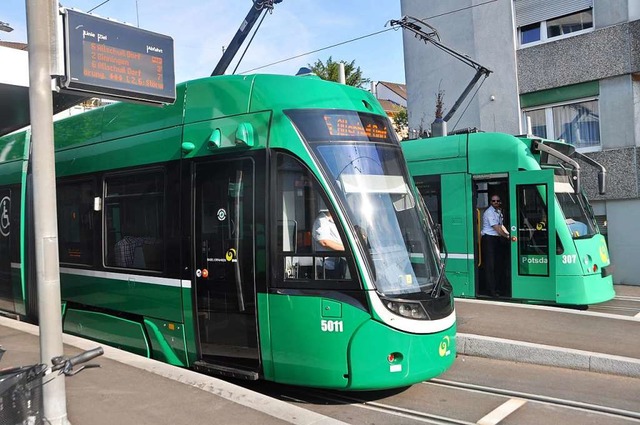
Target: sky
{"points": [[300, 29]]}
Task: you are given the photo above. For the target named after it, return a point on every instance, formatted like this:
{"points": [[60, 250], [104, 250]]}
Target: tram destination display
{"points": [[117, 60]]}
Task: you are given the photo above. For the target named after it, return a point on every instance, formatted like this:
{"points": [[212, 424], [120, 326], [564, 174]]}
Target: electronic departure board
{"points": [[351, 125], [112, 59], [323, 125]]}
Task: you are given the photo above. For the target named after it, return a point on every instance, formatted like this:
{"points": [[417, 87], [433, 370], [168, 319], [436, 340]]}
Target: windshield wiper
{"points": [[436, 289], [443, 263]]}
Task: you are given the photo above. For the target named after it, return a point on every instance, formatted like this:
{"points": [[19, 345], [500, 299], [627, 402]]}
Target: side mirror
{"points": [[602, 182]]}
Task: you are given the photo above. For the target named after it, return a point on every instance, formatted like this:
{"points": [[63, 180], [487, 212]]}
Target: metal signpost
{"points": [[102, 58]]}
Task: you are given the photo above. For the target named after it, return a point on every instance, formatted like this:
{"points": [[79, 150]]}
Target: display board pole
{"points": [[40, 32]]}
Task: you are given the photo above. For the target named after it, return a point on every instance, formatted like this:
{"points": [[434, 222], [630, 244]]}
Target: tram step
{"points": [[211, 369]]}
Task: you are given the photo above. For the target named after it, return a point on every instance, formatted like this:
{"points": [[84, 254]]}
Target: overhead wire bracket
{"points": [[431, 36]]}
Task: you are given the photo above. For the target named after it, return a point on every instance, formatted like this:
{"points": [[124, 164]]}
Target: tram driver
{"points": [[327, 238], [492, 244]]}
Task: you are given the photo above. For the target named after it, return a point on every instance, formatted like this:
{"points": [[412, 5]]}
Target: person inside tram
{"points": [[577, 228], [363, 235], [493, 246], [327, 238]]}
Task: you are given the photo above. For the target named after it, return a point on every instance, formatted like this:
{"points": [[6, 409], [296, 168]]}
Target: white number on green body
{"points": [[331, 326]]}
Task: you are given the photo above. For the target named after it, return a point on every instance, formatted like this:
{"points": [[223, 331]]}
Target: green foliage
{"points": [[330, 71], [401, 119]]}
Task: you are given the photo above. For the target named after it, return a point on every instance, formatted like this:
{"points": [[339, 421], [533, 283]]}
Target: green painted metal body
{"points": [[354, 354], [154, 315], [105, 328], [458, 159], [129, 294]]}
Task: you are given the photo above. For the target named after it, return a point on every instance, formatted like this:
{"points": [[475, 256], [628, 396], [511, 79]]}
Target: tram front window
{"points": [[362, 161], [384, 215], [577, 214]]}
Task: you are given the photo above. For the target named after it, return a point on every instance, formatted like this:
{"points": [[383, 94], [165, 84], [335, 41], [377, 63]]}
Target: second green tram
{"points": [[555, 254], [186, 234]]}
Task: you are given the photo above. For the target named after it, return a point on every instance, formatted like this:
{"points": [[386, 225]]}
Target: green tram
{"points": [[186, 235], [556, 254]]}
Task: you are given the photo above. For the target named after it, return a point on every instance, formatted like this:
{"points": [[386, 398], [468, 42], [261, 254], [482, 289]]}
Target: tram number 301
{"points": [[331, 326]]}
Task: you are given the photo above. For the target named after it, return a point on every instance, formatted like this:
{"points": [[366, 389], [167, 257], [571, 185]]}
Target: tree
{"points": [[331, 71], [401, 122]]}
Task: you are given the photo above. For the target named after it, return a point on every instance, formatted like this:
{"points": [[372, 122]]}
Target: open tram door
{"points": [[532, 218], [225, 301]]}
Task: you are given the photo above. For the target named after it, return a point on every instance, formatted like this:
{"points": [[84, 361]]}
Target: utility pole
{"points": [[41, 16]]}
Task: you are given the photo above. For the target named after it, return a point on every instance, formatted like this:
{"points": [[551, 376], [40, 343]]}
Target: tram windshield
{"points": [[362, 160], [577, 212]]}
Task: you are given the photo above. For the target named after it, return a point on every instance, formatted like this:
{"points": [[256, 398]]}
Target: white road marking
{"points": [[501, 412]]}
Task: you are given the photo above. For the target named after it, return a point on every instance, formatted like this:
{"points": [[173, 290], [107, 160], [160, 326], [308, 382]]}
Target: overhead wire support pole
{"points": [[411, 24], [41, 15], [463, 96], [258, 7]]}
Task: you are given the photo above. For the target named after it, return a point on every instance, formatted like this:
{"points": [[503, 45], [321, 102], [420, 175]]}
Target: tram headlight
{"points": [[410, 310]]}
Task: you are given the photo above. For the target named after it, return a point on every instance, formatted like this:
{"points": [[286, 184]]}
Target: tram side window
{"points": [[134, 220], [533, 238], [75, 222], [301, 210], [431, 190]]}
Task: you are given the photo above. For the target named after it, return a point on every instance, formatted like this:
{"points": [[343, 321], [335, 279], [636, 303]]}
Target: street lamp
{"points": [[5, 27]]}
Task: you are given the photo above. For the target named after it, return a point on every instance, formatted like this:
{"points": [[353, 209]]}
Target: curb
{"points": [[253, 400], [526, 352]]}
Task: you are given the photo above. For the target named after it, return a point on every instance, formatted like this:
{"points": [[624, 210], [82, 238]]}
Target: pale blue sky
{"points": [[200, 28]]}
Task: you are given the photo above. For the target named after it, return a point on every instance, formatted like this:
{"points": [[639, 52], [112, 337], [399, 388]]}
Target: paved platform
{"points": [[130, 389], [555, 336]]}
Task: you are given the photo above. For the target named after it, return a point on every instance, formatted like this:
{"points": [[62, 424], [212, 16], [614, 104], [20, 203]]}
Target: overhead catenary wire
{"points": [[94, 8], [359, 38]]}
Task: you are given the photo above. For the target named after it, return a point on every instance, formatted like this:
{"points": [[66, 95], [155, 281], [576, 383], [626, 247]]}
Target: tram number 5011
{"points": [[331, 326]]}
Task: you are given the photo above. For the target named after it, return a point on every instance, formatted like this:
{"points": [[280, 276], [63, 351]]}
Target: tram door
{"points": [[484, 189], [224, 263], [533, 252]]}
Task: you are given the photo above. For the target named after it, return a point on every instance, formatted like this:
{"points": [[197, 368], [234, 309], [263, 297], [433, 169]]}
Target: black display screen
{"points": [[117, 60], [318, 125]]}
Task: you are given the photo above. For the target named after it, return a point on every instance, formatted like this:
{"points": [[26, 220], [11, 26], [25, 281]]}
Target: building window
{"points": [[570, 23], [577, 123], [530, 33], [552, 29]]}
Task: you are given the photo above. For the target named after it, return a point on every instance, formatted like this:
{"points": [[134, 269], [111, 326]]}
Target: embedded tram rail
{"points": [[535, 398], [522, 394]]}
